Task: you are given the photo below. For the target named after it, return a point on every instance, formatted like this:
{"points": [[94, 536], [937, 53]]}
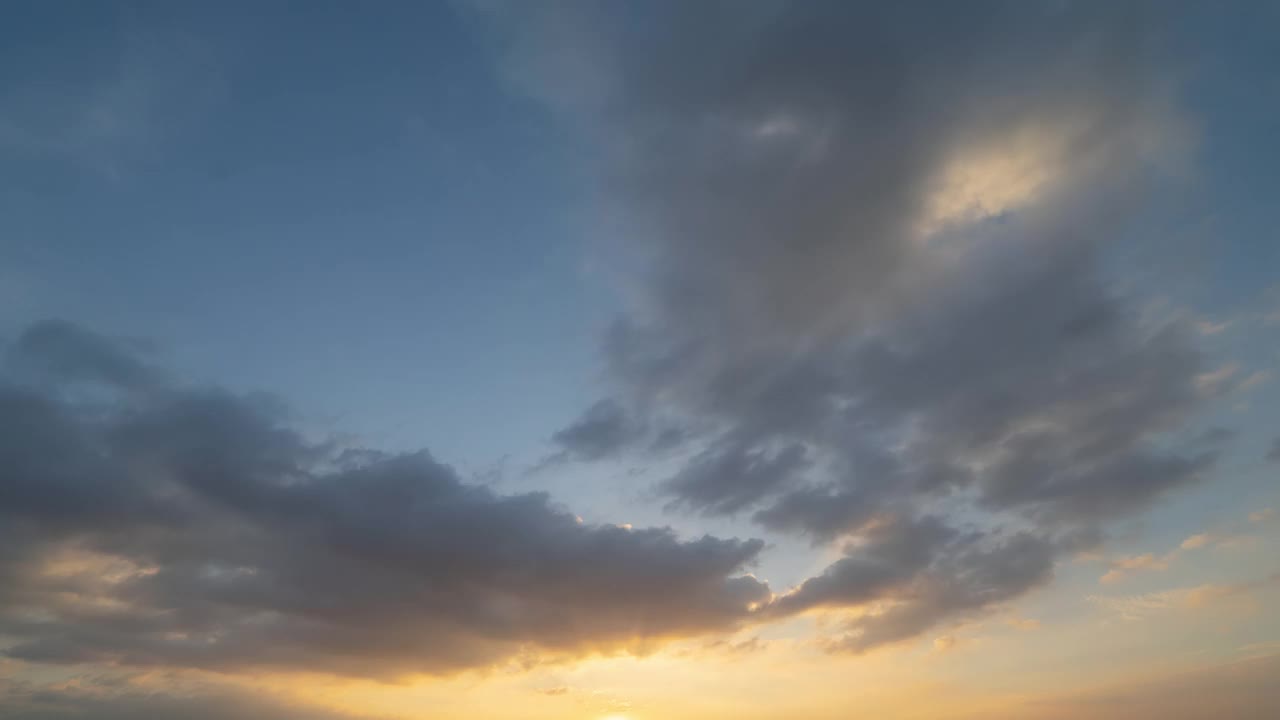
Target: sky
{"points": [[632, 360]]}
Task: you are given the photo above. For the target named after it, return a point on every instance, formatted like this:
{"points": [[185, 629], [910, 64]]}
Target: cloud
{"points": [[1217, 378], [109, 698], [1133, 607], [1273, 454], [1242, 689], [1261, 516], [1254, 380], [916, 574], [1136, 607], [148, 523], [872, 248], [1196, 541], [1208, 327], [56, 351], [1121, 567], [725, 647], [726, 479], [604, 430], [554, 691]]}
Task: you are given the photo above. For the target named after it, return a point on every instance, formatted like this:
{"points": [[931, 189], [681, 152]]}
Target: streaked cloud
{"points": [[1196, 541], [1136, 607], [107, 697], [1121, 567]]}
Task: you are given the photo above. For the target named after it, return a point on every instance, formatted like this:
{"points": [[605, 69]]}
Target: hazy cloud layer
{"points": [[874, 289], [146, 523], [1243, 689], [108, 698]]}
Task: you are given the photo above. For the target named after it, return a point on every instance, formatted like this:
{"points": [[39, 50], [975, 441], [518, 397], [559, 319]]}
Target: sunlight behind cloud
{"points": [[990, 180]]}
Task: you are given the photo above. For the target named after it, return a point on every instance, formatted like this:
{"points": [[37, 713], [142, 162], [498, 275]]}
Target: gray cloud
{"points": [[724, 480], [875, 247], [58, 351], [148, 523], [925, 572], [959, 582], [892, 554], [605, 429], [1274, 453]]}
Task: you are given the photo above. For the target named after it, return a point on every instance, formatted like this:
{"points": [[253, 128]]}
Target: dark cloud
{"points": [[876, 245], [189, 527], [1274, 453]]}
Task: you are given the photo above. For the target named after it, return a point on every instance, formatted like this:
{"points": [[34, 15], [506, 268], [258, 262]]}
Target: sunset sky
{"points": [[643, 360]]}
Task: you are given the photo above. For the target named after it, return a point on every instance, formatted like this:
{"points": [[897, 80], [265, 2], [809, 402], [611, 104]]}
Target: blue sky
{"points": [[355, 213]]}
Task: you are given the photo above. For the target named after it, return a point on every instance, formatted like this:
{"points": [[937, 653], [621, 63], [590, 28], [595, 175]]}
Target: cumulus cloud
{"points": [[144, 522], [873, 245]]}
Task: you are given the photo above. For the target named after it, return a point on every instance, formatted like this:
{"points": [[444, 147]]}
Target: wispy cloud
{"points": [[1121, 567], [1137, 607]]}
